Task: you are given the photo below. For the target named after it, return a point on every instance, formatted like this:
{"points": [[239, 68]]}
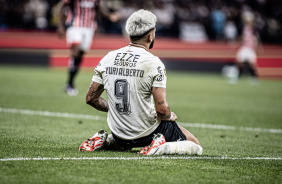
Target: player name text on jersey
{"points": [[124, 72]]}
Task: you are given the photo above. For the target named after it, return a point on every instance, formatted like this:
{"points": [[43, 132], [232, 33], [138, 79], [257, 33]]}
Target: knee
{"points": [[76, 52]]}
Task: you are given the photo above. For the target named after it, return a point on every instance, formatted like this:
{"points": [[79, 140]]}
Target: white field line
{"points": [[141, 158], [225, 127], [91, 117], [51, 114]]}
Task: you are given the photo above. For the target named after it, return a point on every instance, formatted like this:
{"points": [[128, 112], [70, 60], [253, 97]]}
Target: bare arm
{"points": [[61, 19], [103, 10], [93, 97], [161, 104]]}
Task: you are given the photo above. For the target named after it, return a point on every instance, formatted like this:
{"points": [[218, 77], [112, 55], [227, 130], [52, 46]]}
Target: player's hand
{"points": [[114, 17], [174, 117]]}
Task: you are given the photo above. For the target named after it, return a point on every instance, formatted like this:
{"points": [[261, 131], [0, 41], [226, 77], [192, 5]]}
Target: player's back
{"points": [[128, 75]]}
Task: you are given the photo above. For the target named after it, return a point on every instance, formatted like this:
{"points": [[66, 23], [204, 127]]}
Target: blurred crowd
{"points": [[189, 20]]}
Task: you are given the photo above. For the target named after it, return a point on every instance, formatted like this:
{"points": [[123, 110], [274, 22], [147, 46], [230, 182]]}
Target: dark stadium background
{"points": [[28, 33]]}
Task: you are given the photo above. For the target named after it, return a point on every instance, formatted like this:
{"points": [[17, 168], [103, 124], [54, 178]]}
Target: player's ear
{"points": [[152, 35], [149, 38]]}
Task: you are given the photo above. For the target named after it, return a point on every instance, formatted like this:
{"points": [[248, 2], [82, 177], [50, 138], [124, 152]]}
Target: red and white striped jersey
{"points": [[81, 13], [249, 38]]}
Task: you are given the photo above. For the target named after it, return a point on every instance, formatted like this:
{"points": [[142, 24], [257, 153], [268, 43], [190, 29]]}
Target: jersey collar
{"points": [[137, 45]]}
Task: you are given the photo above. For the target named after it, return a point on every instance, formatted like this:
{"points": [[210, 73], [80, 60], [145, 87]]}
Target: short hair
{"points": [[136, 38], [140, 23]]}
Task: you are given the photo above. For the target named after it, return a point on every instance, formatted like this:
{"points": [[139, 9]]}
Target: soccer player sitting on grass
{"points": [[138, 111]]}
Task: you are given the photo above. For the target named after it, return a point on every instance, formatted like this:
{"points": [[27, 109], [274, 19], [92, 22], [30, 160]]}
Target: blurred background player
{"points": [[246, 54], [81, 25]]}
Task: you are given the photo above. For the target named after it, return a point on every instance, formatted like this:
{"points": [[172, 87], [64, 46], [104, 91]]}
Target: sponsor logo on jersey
{"points": [[161, 75], [126, 59]]}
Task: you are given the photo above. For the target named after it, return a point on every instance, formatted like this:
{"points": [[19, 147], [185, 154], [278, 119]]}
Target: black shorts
{"points": [[169, 129]]}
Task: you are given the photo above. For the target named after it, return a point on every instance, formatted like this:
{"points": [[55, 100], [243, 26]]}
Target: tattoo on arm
{"points": [[94, 98], [164, 116], [162, 107]]}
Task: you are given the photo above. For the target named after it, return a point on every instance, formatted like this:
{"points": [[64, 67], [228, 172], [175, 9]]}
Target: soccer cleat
{"points": [[71, 91], [96, 142], [158, 140]]}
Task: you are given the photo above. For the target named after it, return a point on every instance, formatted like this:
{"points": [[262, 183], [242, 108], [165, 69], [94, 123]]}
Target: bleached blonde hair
{"points": [[140, 22]]}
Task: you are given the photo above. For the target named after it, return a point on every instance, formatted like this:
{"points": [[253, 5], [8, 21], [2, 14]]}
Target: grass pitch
{"points": [[239, 127]]}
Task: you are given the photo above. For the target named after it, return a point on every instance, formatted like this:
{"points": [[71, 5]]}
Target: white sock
{"points": [[180, 148]]}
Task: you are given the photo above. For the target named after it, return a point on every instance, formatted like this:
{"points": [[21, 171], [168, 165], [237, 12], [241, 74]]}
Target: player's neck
{"points": [[138, 45]]}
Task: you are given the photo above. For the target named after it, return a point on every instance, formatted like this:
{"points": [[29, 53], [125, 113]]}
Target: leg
{"points": [[101, 141], [96, 142], [189, 136], [182, 148], [74, 63], [190, 147], [112, 145], [253, 69], [254, 74], [159, 146], [240, 66]]}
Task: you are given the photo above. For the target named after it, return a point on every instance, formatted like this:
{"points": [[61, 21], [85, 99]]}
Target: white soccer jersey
{"points": [[128, 75]]}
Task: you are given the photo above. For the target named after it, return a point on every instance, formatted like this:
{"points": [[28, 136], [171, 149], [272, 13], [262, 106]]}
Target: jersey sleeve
{"points": [[97, 77], [159, 74], [98, 71]]}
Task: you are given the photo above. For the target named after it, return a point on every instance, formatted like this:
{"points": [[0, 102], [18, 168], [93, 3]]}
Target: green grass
{"points": [[195, 98]]}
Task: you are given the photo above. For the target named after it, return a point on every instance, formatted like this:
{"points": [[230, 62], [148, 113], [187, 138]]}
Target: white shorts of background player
{"points": [[80, 36], [246, 54]]}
